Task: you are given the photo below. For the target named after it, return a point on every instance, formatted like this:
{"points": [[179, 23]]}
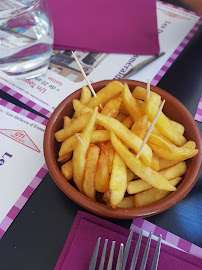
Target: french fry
{"points": [[127, 202], [80, 151], [131, 104], [140, 93], [85, 95], [190, 145], [111, 90], [178, 153], [112, 107], [111, 153], [67, 170], [153, 194], [123, 109], [127, 122], [74, 127], [163, 124], [165, 163], [64, 158], [67, 121], [118, 181], [120, 117], [176, 170], [102, 176], [90, 171], [177, 126], [140, 127], [132, 140], [161, 141], [169, 173], [137, 166], [69, 144], [155, 163], [131, 175]]}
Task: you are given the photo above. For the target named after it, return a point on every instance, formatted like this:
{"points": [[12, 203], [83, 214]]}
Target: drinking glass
{"points": [[26, 38]]}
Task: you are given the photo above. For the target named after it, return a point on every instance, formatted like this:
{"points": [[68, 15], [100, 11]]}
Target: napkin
{"points": [[114, 26], [86, 229]]}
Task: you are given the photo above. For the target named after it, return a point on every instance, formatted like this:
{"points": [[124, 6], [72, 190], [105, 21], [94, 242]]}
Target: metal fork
{"points": [[123, 254], [110, 261]]}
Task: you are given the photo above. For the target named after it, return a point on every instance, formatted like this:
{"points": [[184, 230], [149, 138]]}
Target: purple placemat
{"points": [[198, 115], [6, 222], [85, 231]]}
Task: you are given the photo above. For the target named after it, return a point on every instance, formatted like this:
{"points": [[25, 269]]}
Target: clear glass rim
{"points": [[20, 11]]}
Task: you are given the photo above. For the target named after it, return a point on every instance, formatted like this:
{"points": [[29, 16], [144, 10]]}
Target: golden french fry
{"points": [[127, 202], [140, 126], [161, 141], [102, 176], [64, 158], [79, 155], [69, 144], [85, 95], [155, 163], [74, 127], [67, 169], [132, 140], [165, 163], [131, 104], [123, 109], [178, 126], [127, 122], [163, 124], [140, 93], [90, 171], [120, 117], [169, 173], [152, 195], [111, 153], [118, 181], [112, 107], [67, 121], [137, 166], [178, 153], [190, 145], [111, 90], [131, 175]]}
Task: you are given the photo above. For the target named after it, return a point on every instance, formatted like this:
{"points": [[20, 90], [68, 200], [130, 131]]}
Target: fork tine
{"points": [[102, 261], [110, 261], [136, 252], [120, 258], [127, 248], [146, 253], [94, 257], [156, 254]]}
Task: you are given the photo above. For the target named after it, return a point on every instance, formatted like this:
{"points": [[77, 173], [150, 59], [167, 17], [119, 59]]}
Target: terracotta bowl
{"points": [[172, 108]]}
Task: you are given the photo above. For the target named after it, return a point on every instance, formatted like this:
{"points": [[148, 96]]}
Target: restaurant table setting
{"points": [[45, 222]]}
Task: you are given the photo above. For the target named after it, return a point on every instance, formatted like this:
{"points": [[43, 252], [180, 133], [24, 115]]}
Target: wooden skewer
{"points": [[79, 138], [84, 75], [148, 90], [150, 129]]}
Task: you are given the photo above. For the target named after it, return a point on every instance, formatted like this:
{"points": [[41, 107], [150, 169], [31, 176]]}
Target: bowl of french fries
{"points": [[129, 150]]}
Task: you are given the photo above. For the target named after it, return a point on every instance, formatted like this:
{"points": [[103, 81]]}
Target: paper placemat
{"points": [[198, 115], [168, 238], [176, 27], [22, 164]]}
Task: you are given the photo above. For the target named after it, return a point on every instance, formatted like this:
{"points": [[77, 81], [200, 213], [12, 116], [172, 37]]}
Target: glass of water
{"points": [[26, 38]]}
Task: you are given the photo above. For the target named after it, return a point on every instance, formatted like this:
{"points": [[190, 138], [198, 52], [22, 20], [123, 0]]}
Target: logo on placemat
{"points": [[173, 15], [21, 137]]}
